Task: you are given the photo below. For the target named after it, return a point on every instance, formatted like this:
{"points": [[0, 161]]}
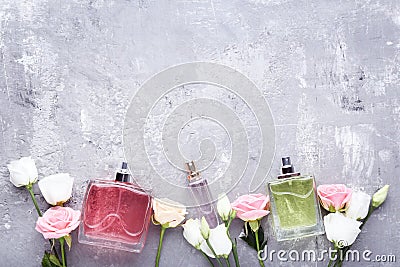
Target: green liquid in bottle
{"points": [[295, 202]]}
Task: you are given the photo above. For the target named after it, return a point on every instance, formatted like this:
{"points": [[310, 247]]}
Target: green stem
{"points": [[29, 187], [334, 261], [227, 262], [229, 223], [344, 252], [258, 248], [234, 246], [205, 255], [338, 263], [213, 252], [160, 245], [235, 253], [339, 259], [64, 263], [330, 262]]}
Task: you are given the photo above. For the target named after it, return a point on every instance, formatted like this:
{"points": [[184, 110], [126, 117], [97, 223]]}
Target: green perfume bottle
{"points": [[294, 204]]}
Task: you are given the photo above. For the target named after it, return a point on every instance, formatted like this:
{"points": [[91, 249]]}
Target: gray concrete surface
{"points": [[329, 70]]}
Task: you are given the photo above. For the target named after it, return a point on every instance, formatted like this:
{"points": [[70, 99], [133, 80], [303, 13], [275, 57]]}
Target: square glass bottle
{"points": [[115, 214], [294, 204]]}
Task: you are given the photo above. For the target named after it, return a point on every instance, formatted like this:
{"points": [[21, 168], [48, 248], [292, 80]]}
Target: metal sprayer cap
{"points": [[192, 171], [123, 175]]}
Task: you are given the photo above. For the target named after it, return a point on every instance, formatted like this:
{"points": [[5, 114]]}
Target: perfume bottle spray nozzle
{"points": [[122, 174], [287, 166], [287, 169], [286, 161], [192, 171]]}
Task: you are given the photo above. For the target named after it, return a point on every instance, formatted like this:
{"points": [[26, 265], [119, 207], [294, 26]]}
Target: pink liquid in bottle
{"points": [[115, 214]]}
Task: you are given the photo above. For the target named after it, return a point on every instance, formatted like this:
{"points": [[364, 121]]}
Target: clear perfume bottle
{"points": [[294, 204], [201, 193], [115, 214]]}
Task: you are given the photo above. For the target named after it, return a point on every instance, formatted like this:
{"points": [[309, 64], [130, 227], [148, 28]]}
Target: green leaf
{"points": [[249, 237], [263, 244], [46, 260], [68, 240], [50, 260], [54, 260]]}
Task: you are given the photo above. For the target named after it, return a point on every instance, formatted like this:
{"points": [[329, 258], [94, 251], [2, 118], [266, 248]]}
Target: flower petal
{"points": [[56, 188]]}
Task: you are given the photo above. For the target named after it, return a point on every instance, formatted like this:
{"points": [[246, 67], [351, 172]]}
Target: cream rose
{"points": [[168, 213]]}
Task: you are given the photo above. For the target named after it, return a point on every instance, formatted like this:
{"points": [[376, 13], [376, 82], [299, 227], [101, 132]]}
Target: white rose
{"points": [[359, 205], [224, 207], [219, 241], [23, 171], [340, 229], [192, 234], [57, 188]]}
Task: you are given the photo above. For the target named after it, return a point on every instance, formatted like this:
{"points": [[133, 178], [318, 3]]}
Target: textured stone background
{"points": [[329, 70]]}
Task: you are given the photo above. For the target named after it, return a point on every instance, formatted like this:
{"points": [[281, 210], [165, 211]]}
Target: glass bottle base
{"points": [[283, 235]]}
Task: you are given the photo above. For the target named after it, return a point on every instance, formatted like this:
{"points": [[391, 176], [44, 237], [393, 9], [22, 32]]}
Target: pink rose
{"points": [[251, 207], [334, 197], [57, 222]]}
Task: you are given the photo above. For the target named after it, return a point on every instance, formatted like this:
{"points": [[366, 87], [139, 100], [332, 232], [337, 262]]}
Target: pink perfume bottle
{"points": [[115, 214]]}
